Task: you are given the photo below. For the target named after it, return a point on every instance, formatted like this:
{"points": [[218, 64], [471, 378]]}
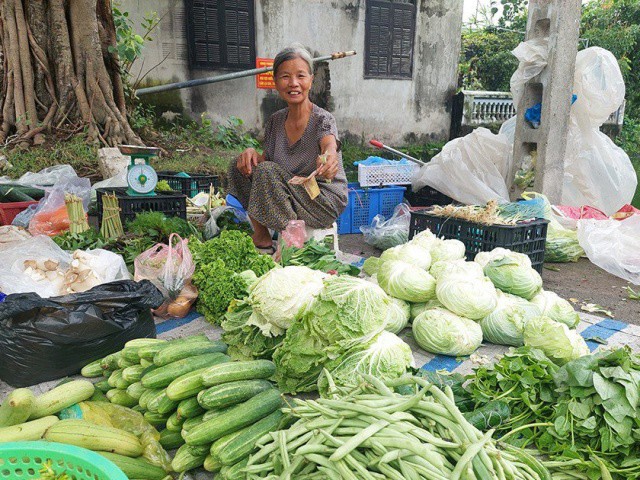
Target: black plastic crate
{"points": [[192, 185], [171, 204], [426, 197], [525, 237]]}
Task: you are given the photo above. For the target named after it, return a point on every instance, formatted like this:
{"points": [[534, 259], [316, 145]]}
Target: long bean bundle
{"points": [[373, 433]]}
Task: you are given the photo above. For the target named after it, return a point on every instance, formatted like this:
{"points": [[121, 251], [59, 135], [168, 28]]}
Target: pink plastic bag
{"points": [[170, 268]]}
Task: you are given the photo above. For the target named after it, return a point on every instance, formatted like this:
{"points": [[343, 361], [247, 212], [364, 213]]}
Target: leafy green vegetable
{"points": [[217, 286], [317, 256], [87, 240], [556, 308], [410, 253], [158, 227], [386, 357], [562, 245], [469, 297], [491, 415], [371, 265], [447, 250], [506, 324], [439, 331], [398, 317], [511, 272], [555, 339], [348, 312], [406, 281], [461, 267], [228, 221]]}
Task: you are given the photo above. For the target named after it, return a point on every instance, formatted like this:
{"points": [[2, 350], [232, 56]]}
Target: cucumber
{"points": [[17, 407], [167, 406], [124, 362], [32, 192], [103, 386], [98, 396], [235, 418], [171, 440], [189, 384], [110, 362], [93, 369], [174, 353], [145, 363], [146, 395], [135, 390], [234, 472], [211, 465], [235, 371], [121, 383], [121, 397], [231, 393], [143, 342], [190, 423], [148, 351], [24, 432], [156, 419], [154, 400], [235, 446], [174, 423], [133, 374], [114, 377], [189, 408], [188, 458], [62, 397], [13, 193], [135, 467], [209, 414], [163, 376]]}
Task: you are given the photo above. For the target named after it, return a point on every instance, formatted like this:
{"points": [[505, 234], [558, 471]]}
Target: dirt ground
{"points": [[581, 283]]}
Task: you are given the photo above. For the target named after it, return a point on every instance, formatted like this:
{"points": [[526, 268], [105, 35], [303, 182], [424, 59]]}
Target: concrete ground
{"points": [[581, 283]]}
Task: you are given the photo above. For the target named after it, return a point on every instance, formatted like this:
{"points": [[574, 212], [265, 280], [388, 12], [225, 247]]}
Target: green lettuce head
{"points": [[398, 317], [555, 339], [447, 250], [280, 295], [556, 308], [456, 267], [418, 308], [406, 282], [505, 325], [512, 273], [409, 253], [386, 357], [469, 297], [424, 239], [442, 332]]}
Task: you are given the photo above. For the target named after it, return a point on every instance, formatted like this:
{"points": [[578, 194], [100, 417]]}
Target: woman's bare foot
{"points": [[261, 236]]}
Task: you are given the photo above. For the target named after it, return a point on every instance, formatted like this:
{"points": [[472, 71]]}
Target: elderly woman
{"points": [[298, 140]]}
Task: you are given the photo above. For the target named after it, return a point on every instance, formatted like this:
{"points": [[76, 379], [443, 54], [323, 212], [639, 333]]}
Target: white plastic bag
{"points": [[13, 278], [533, 55], [45, 177], [211, 228], [597, 172], [471, 169], [389, 233], [613, 245]]}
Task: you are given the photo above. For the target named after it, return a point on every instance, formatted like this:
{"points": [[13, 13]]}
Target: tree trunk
{"points": [[58, 72]]}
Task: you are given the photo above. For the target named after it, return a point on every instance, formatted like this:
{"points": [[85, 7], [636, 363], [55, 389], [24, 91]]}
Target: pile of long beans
{"points": [[373, 433]]}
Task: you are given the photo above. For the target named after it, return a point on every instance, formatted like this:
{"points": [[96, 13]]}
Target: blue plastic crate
{"points": [[366, 203]]}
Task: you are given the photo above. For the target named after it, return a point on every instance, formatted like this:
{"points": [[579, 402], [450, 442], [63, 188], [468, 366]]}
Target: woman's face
{"points": [[293, 81]]}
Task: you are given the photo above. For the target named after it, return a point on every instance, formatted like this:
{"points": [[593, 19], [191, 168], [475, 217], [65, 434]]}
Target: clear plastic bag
{"points": [[533, 55], [51, 217], [389, 233], [471, 169], [169, 268], [613, 245], [212, 229], [45, 177]]}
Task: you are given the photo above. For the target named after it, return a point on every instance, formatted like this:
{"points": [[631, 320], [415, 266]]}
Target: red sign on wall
{"points": [[265, 80]]}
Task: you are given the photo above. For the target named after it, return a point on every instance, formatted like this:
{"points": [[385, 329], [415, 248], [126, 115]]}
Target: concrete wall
{"points": [[395, 111]]}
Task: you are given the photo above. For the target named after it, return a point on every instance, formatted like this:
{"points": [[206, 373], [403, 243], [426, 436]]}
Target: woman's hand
{"points": [[247, 160], [327, 165]]}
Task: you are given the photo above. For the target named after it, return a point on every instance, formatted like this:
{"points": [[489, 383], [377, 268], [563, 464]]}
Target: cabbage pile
{"points": [[349, 312], [454, 304]]}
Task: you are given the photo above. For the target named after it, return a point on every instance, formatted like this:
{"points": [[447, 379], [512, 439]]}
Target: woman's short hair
{"points": [[290, 53]]}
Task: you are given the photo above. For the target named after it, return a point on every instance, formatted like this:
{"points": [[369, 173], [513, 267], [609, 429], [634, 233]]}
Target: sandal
{"points": [[269, 250]]}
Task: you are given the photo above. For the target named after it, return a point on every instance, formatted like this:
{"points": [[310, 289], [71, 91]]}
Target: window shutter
{"points": [[239, 32], [390, 30], [205, 32]]}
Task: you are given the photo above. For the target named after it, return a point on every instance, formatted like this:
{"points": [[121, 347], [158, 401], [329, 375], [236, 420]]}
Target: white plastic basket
{"points": [[379, 175]]}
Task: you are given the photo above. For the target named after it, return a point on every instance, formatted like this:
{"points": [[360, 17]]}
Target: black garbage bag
{"points": [[44, 339]]}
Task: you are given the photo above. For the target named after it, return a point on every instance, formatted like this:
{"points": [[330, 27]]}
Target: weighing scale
{"points": [[141, 177]]}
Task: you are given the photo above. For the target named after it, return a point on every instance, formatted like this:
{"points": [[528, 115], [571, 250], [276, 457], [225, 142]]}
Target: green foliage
{"points": [[89, 239], [129, 44], [158, 227], [217, 286], [231, 135]]}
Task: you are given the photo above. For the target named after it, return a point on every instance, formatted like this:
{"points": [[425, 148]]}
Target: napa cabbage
{"points": [[442, 332], [555, 339], [398, 316], [406, 281], [506, 324], [512, 273], [409, 253], [556, 308], [469, 297]]}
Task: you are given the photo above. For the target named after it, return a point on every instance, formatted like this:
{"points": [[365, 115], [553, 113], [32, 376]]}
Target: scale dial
{"points": [[142, 178]]}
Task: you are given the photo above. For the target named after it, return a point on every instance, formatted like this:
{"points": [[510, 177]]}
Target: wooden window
{"points": [[221, 33], [390, 27]]}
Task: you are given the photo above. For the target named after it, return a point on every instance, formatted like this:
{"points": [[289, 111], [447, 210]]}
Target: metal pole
{"points": [[229, 76]]}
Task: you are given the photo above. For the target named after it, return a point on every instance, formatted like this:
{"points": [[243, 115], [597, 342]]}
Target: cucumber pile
{"points": [[210, 409], [10, 192]]}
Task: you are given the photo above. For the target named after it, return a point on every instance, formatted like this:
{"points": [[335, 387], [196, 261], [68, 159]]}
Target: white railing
{"points": [[481, 107]]}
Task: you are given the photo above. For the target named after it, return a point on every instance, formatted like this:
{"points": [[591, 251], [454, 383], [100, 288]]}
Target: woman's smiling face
{"points": [[293, 81]]}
